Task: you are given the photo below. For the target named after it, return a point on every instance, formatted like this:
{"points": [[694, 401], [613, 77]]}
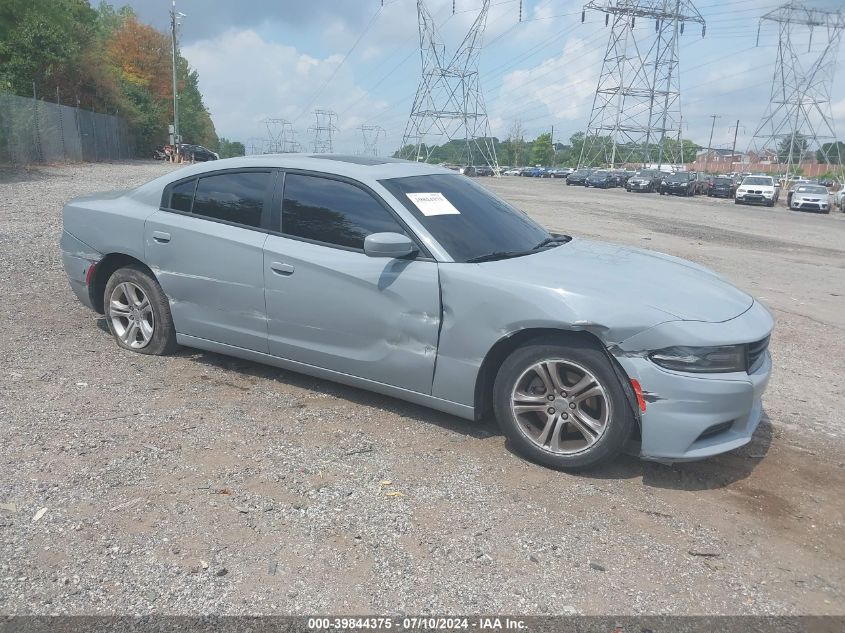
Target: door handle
{"points": [[161, 237], [280, 268]]}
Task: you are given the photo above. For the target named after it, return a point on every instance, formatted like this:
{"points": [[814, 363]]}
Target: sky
{"points": [[261, 59]]}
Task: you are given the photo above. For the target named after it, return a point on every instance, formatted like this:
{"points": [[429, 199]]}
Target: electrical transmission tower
{"points": [[281, 137], [799, 115], [371, 135], [637, 105], [449, 105], [322, 130]]}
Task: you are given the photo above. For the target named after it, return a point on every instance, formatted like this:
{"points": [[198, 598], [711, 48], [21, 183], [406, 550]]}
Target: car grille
{"points": [[756, 353]]}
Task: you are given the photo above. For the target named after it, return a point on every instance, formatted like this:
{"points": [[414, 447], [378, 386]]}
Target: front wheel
{"points": [[561, 404], [137, 312]]}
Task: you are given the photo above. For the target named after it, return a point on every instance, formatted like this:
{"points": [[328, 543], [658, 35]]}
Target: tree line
{"points": [[104, 60], [515, 151]]}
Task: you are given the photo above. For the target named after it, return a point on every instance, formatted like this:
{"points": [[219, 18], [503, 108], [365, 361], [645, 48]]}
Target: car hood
{"points": [[583, 271]]}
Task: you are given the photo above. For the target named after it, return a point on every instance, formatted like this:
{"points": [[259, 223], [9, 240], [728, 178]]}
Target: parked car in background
{"points": [[797, 183], [483, 170], [578, 177], [643, 180], [579, 349], [757, 190], [513, 171], [810, 198], [467, 170], [197, 153], [681, 183], [601, 179], [839, 196], [722, 187], [560, 172], [526, 172]]}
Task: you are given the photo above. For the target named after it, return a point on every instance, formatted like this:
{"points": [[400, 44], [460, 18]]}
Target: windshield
{"points": [[758, 180], [722, 181], [677, 178], [464, 217], [644, 174], [811, 189]]}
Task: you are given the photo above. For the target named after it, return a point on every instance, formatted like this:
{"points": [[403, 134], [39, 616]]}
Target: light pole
{"points": [[174, 17]]}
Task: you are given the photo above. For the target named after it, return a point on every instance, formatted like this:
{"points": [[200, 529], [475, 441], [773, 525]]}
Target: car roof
{"points": [[365, 169]]}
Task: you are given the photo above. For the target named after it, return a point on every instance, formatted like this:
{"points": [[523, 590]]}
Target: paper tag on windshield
{"points": [[432, 204]]}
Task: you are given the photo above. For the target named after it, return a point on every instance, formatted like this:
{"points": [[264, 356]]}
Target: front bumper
{"points": [[809, 205], [691, 416], [756, 198]]}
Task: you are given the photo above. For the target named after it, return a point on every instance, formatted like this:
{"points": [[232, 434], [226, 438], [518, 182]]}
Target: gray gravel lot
{"points": [[131, 484]]}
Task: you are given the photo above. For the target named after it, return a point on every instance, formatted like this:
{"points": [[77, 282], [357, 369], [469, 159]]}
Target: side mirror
{"points": [[388, 245]]}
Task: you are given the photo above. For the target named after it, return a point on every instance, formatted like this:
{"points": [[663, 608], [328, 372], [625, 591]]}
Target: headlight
{"points": [[724, 359], [740, 190]]}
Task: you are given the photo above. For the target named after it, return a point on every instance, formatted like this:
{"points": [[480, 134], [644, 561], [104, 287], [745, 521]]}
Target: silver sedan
{"points": [[411, 280]]}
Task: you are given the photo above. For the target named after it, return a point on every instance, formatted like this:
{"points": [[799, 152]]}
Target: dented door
{"points": [[375, 318]]}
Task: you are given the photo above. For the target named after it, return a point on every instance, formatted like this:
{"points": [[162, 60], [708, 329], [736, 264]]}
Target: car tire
{"points": [[771, 203], [555, 432], [137, 312]]}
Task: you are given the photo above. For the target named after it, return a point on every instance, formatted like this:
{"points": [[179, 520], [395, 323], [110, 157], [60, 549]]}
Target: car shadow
{"points": [[707, 474], [478, 430]]}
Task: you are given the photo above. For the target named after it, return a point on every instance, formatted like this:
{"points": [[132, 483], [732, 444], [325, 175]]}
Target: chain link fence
{"points": [[35, 131]]}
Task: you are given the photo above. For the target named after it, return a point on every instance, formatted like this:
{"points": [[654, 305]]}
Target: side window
{"points": [[182, 195], [332, 211], [237, 197]]}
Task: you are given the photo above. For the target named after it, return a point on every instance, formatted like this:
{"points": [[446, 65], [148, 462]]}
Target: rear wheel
{"points": [[560, 403], [137, 312]]}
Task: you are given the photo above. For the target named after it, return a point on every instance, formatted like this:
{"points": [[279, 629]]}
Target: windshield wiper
{"points": [[549, 241], [555, 239], [489, 257]]}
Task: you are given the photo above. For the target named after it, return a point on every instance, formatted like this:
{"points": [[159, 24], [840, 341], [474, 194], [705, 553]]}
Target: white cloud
{"points": [[551, 92], [245, 79]]}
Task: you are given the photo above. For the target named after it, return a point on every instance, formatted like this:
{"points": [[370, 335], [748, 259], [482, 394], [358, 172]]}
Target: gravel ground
{"points": [[199, 483]]}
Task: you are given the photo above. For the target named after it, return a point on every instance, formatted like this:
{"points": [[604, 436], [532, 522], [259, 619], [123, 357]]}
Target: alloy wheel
{"points": [[560, 406], [131, 315]]}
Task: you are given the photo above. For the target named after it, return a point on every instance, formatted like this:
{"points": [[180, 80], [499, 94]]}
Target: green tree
{"points": [[542, 151], [831, 153], [229, 149], [792, 148]]}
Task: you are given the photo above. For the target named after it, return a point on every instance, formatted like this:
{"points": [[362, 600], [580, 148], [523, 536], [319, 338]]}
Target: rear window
{"points": [[182, 195], [235, 197]]}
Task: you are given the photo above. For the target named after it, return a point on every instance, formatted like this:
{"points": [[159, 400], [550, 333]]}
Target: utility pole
{"points": [[733, 149], [710, 142], [174, 18]]}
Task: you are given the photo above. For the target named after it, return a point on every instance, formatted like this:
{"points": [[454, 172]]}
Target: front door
{"points": [[331, 306]]}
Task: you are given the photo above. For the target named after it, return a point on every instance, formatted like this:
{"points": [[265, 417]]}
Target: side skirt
{"points": [[447, 406]]}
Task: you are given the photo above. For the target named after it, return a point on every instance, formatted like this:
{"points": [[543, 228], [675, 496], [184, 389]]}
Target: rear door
{"points": [[206, 247], [330, 305]]}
